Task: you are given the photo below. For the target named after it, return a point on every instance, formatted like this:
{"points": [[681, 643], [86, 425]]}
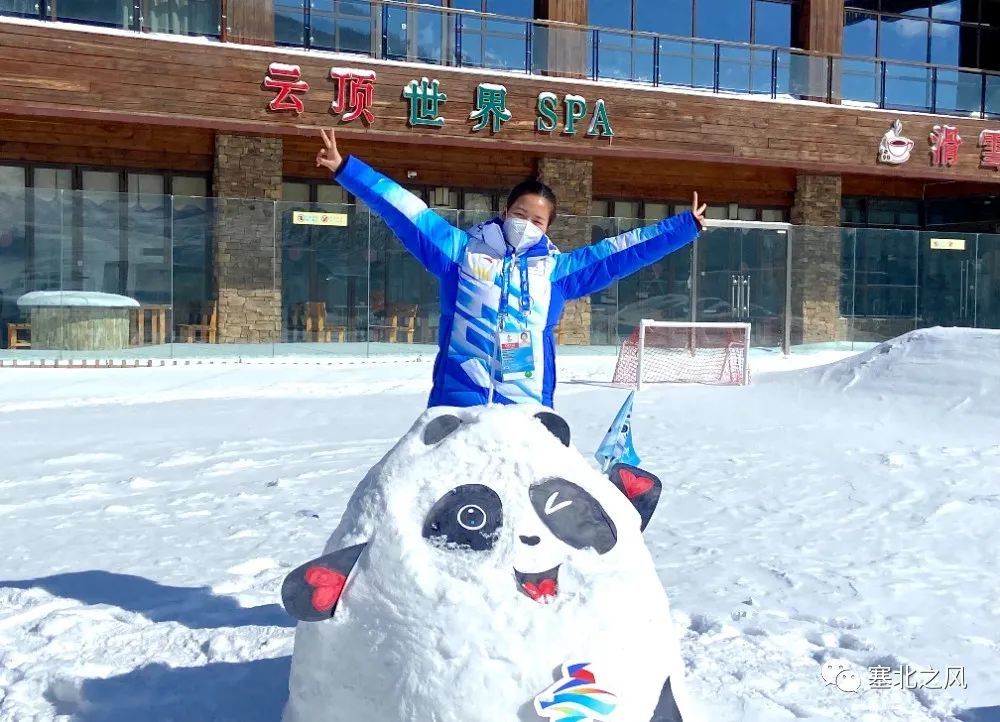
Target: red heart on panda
{"points": [[329, 585], [545, 588], [634, 484]]}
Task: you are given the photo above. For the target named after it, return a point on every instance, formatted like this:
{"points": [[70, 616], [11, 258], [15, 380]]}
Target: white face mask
{"points": [[521, 233]]}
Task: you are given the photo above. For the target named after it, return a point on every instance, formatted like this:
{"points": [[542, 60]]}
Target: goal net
{"points": [[684, 352]]}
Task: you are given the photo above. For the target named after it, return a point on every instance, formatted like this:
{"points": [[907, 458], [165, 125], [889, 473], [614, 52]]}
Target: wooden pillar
{"points": [[251, 23], [560, 45], [818, 26], [564, 11]]}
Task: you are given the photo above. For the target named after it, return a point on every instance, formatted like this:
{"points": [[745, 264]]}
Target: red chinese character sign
{"points": [[355, 94], [989, 153], [945, 142], [286, 80]]}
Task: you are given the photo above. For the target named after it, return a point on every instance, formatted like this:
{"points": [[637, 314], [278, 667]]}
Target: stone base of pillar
{"points": [[249, 316], [572, 180], [574, 328], [816, 261], [247, 181]]}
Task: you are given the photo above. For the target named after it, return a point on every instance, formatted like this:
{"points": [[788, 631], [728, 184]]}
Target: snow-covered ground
{"points": [[838, 513]]}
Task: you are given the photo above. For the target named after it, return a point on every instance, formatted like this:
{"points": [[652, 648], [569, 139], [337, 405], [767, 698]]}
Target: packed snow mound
{"points": [[484, 570], [959, 366]]}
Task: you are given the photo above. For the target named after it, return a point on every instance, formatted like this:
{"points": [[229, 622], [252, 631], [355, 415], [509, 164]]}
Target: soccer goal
{"points": [[685, 352]]}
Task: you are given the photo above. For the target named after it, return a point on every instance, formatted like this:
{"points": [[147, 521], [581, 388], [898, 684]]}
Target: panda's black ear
{"points": [[440, 427], [640, 487], [556, 424], [311, 592]]}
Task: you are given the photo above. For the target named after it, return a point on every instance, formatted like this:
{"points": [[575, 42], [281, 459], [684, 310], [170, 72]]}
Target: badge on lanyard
{"points": [[517, 356]]}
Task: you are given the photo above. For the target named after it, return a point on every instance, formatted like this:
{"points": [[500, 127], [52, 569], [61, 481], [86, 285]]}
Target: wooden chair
{"points": [[401, 319], [15, 341], [157, 314], [307, 322], [205, 325]]}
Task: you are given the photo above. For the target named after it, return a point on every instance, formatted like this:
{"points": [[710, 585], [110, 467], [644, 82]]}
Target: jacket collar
{"points": [[491, 233]]}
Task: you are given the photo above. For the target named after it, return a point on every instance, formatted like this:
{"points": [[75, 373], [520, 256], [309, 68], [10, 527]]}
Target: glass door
{"points": [[884, 283], [947, 279], [719, 263], [987, 282], [764, 262], [742, 278]]}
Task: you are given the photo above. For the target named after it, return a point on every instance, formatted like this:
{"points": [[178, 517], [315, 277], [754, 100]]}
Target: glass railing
{"points": [[148, 16], [395, 30], [126, 276]]}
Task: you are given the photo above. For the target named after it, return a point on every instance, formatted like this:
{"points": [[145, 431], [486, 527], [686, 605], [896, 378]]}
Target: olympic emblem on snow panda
{"points": [[576, 697]]}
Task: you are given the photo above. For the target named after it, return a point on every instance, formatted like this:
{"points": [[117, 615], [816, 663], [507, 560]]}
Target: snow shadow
{"points": [[980, 714], [193, 607], [253, 691]]}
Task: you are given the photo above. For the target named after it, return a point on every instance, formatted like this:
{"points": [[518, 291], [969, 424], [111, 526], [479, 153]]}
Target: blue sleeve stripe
{"points": [[436, 243], [595, 267], [572, 262]]}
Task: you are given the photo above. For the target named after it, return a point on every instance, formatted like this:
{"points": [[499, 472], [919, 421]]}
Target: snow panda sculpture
{"points": [[482, 571]]}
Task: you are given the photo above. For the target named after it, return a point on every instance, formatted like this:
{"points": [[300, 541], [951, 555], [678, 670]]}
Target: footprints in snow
{"points": [[946, 457]]}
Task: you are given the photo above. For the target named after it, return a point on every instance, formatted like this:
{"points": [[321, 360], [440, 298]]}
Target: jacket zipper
{"points": [[501, 319]]}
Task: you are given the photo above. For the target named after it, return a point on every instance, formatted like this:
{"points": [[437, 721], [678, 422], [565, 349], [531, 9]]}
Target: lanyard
{"points": [[505, 286], [525, 294]]}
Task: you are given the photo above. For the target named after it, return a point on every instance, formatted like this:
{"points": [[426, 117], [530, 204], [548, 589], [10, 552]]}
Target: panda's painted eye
{"points": [[472, 517], [468, 516], [552, 504], [572, 515]]}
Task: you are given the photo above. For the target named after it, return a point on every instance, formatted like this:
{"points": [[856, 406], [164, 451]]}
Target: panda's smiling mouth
{"points": [[540, 586]]}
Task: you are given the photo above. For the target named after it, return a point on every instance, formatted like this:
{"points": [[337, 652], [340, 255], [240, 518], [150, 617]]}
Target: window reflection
{"points": [[670, 17], [514, 8], [99, 12], [903, 39], [860, 33], [609, 14], [723, 20], [341, 25], [728, 20], [181, 17], [945, 44], [942, 32], [772, 24]]}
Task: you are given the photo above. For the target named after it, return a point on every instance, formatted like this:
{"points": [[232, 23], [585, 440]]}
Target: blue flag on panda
{"points": [[617, 444]]}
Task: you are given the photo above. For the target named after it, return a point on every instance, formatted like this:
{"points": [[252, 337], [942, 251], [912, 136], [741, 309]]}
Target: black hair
{"points": [[535, 188]]}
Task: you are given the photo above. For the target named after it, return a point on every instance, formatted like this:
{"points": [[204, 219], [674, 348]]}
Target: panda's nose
{"points": [[530, 540]]}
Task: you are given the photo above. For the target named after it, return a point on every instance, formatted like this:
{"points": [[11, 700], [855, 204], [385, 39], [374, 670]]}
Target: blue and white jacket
{"points": [[482, 277]]}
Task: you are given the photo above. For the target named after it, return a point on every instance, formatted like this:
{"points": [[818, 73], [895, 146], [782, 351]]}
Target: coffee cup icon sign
{"points": [[894, 148]]}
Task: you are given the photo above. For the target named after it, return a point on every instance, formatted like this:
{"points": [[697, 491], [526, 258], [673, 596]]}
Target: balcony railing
{"points": [[395, 30]]}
